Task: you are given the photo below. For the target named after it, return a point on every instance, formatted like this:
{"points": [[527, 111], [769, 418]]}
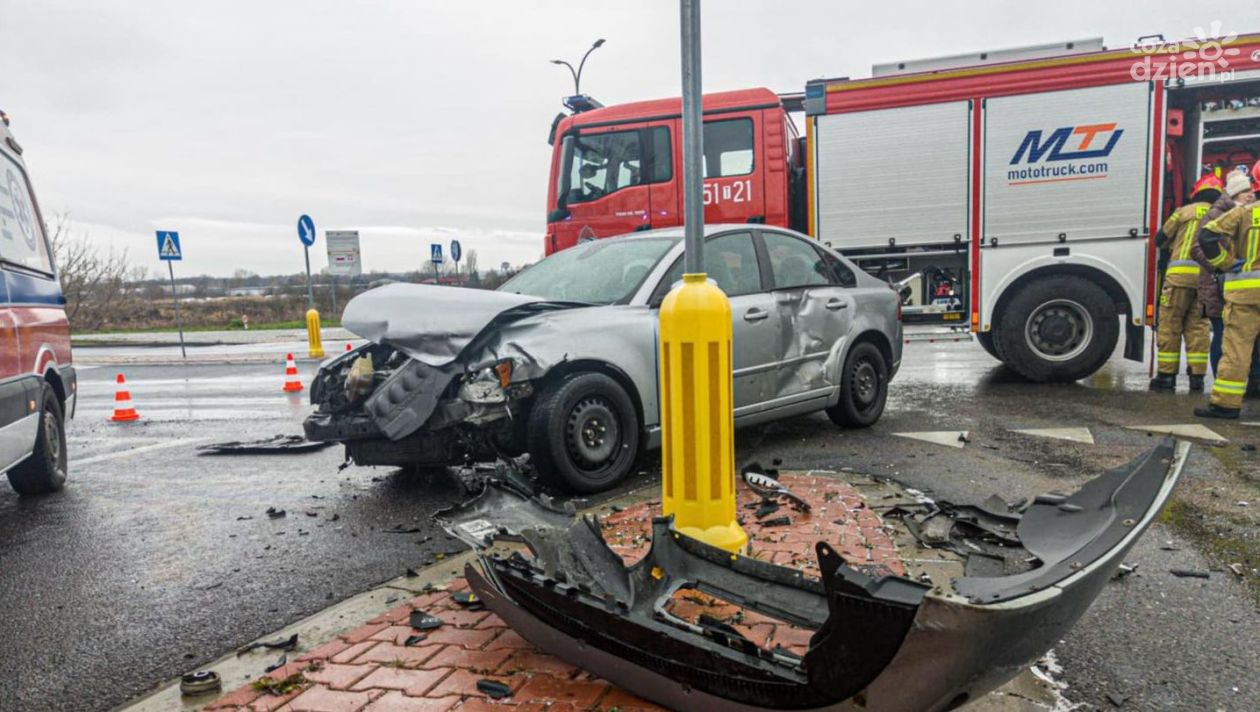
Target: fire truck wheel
{"points": [[584, 433], [45, 470], [1058, 329], [863, 388]]}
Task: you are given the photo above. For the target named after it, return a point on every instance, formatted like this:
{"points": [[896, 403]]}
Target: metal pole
{"points": [[332, 278], [693, 141], [310, 290], [179, 322]]}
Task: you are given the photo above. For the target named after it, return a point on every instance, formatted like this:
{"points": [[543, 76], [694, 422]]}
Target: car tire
{"points": [[863, 388], [45, 470], [1058, 330], [584, 433]]}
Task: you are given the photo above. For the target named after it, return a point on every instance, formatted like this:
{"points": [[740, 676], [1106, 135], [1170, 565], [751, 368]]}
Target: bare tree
{"points": [[97, 285]]}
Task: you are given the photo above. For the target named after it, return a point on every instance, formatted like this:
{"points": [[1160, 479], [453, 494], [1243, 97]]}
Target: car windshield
{"points": [[600, 272]]}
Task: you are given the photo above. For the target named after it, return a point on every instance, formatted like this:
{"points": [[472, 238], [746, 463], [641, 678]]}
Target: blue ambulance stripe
{"points": [[28, 289]]}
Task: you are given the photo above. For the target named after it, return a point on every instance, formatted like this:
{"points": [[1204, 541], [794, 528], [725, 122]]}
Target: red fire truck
{"points": [[1014, 192]]}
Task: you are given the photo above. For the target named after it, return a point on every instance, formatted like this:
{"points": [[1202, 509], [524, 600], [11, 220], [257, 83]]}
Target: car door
{"points": [[607, 175], [815, 315], [731, 260]]}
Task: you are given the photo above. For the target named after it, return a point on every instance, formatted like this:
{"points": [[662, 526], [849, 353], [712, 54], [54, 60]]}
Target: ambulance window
{"points": [[21, 235], [603, 164], [728, 148]]}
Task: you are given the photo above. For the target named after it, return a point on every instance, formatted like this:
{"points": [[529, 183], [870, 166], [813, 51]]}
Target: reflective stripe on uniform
{"points": [[1221, 258], [1182, 267], [1233, 388], [1242, 280], [1196, 357], [1166, 356]]}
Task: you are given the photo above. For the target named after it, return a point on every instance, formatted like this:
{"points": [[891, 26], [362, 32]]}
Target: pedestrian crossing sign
{"points": [[168, 246]]}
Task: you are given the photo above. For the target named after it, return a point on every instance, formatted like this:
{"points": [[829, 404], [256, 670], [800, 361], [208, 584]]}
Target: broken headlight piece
{"points": [[487, 386]]}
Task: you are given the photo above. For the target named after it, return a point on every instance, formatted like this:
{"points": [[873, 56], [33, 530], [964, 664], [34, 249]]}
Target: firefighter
{"points": [[1180, 319], [1238, 191], [1232, 245]]}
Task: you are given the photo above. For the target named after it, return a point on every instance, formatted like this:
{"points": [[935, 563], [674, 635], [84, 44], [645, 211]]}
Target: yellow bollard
{"points": [[312, 334], [697, 414]]}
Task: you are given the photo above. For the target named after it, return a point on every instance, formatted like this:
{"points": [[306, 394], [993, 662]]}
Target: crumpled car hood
{"points": [[434, 324]]}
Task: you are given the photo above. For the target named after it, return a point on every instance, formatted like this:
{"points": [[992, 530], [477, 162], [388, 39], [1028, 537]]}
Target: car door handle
{"points": [[756, 314], [836, 304]]}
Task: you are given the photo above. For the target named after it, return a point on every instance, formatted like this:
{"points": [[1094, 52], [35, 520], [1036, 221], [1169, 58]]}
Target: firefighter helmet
{"points": [[1255, 176], [1207, 182]]}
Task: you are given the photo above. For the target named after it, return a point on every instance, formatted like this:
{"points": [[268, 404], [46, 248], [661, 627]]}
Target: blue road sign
{"points": [[306, 230], [168, 246], [456, 251], [435, 253]]}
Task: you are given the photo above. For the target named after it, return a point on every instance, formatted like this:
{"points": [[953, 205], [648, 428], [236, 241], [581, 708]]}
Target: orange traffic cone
{"points": [[292, 382], [123, 410]]}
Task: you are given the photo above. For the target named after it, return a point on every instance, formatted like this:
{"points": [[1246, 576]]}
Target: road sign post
{"points": [[169, 252], [306, 233], [435, 256], [457, 251], [697, 411], [343, 258]]}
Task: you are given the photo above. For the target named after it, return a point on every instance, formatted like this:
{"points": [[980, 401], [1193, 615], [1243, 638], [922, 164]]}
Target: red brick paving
{"points": [[369, 669]]}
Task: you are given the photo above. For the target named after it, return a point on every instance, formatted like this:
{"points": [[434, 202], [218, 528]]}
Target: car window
{"points": [[21, 235], [730, 260], [794, 262], [599, 272], [728, 148], [840, 272]]}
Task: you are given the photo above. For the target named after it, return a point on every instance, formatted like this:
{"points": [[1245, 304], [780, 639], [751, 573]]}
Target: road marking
{"points": [[948, 438], [133, 451], [1076, 435], [1184, 430]]}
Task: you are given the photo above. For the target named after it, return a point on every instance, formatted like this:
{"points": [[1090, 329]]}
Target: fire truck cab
{"points": [[1012, 193], [37, 378]]}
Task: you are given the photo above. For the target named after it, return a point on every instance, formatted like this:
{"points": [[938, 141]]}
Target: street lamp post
{"points": [[577, 73]]}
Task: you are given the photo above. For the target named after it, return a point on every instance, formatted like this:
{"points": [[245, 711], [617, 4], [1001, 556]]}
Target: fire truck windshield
{"points": [[601, 272]]}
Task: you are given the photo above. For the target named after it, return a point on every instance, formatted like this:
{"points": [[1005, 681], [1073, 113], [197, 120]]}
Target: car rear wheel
{"points": [[584, 433], [863, 388], [45, 470]]}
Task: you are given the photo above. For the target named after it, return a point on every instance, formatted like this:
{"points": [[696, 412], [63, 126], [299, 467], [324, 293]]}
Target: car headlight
{"points": [[489, 385]]}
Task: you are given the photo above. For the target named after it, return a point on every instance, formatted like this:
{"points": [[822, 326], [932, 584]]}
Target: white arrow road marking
{"points": [[1184, 430], [1076, 435], [948, 438]]}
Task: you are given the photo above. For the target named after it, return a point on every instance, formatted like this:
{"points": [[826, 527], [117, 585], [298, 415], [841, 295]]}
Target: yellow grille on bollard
{"points": [[697, 415], [312, 334]]}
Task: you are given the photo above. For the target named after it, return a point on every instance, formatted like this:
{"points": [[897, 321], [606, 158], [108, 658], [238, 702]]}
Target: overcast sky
{"points": [[417, 121]]}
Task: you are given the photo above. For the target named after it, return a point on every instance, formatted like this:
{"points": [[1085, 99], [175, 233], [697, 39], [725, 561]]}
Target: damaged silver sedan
{"points": [[561, 361]]}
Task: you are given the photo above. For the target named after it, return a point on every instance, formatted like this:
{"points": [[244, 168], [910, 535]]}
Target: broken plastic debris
{"points": [[763, 483], [1189, 573], [286, 644], [274, 445], [414, 640], [284, 658], [467, 599], [494, 689], [423, 621], [199, 683], [275, 513]]}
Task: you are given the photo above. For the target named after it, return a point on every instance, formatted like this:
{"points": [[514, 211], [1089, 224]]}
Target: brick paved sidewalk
{"points": [[372, 668]]}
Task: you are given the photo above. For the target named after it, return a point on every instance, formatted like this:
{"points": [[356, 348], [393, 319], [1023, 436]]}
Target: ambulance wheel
{"points": [[1057, 329], [45, 470], [985, 339], [584, 433]]}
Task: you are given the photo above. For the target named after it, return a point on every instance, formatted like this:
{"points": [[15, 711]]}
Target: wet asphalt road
{"points": [[156, 559]]}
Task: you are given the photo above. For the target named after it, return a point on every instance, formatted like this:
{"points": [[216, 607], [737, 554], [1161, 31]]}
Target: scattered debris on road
{"points": [[423, 621], [286, 644], [274, 445], [494, 689], [200, 683], [276, 513], [1189, 573]]}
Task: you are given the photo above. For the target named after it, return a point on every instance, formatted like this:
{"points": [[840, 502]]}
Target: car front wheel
{"points": [[863, 388], [45, 470], [584, 433]]}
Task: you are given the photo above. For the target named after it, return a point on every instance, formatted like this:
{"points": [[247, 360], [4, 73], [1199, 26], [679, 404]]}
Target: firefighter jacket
{"points": [[1179, 231], [1211, 300], [1238, 255]]}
